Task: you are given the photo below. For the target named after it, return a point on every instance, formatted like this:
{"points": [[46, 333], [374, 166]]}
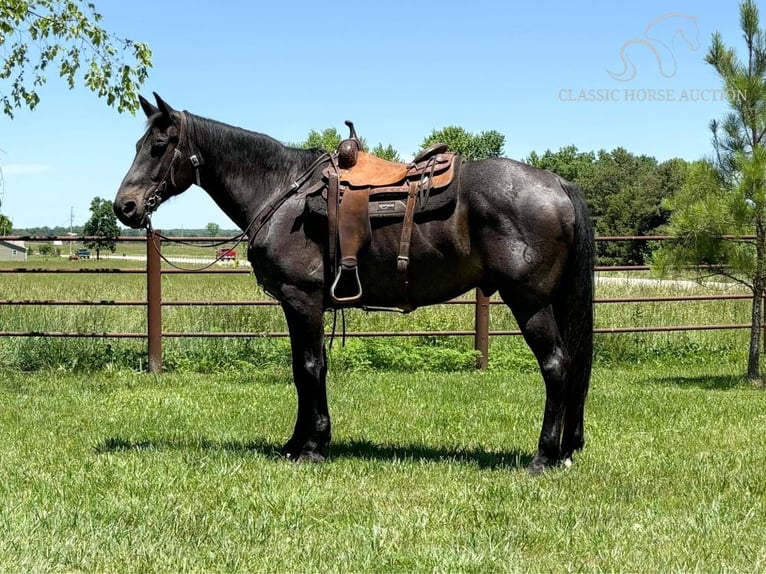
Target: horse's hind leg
{"points": [[574, 434], [311, 437], [542, 335]]}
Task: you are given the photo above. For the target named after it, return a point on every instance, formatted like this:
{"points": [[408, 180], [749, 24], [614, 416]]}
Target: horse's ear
{"points": [[149, 108], [163, 106]]}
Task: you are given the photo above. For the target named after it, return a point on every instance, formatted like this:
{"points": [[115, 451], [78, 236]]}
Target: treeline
{"points": [[628, 195]]}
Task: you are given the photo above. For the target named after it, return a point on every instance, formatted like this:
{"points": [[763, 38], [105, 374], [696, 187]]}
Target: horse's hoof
{"points": [[540, 463], [290, 452], [302, 455], [311, 456]]}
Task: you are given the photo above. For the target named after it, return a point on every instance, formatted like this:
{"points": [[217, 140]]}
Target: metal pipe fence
{"points": [[154, 304]]}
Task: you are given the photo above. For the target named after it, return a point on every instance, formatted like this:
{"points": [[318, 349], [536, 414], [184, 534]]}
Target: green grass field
{"points": [[125, 472], [105, 468]]}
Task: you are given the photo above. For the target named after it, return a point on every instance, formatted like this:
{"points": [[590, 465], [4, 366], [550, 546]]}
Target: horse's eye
{"points": [[158, 148]]}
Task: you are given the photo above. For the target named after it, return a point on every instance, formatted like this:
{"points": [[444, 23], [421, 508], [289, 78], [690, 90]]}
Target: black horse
{"points": [[516, 230]]}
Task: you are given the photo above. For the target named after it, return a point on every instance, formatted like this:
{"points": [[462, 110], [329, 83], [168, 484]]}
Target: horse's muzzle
{"points": [[130, 212]]}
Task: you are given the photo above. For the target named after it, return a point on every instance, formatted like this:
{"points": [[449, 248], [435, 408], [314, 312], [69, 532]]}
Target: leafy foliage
{"points": [[329, 139], [326, 140], [103, 225], [730, 198], [570, 163], [38, 36], [387, 152], [703, 212], [5, 225], [472, 146]]}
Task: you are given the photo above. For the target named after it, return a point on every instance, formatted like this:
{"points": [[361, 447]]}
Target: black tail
{"points": [[574, 314]]}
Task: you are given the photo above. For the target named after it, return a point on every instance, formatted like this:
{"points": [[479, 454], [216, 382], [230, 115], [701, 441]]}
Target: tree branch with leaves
{"points": [[66, 37]]}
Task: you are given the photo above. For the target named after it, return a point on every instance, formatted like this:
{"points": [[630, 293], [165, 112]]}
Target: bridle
{"points": [[155, 194]]}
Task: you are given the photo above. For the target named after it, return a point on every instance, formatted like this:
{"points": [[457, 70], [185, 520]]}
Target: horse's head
{"points": [[164, 166]]}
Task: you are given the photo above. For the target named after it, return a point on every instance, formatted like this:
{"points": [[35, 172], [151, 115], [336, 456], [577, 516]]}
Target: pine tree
{"points": [[728, 195]]}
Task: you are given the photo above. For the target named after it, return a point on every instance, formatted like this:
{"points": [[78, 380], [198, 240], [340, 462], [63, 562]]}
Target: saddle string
{"points": [[334, 326]]}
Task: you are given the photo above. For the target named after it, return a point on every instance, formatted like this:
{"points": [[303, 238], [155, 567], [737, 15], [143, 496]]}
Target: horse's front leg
{"points": [[311, 437]]}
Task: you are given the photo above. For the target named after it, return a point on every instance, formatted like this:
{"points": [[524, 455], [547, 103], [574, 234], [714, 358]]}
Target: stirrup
{"points": [[354, 297]]}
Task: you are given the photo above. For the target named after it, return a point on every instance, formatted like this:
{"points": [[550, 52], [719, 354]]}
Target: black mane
{"points": [[245, 148]]}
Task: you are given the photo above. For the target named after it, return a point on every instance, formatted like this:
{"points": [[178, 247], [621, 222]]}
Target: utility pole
{"points": [[71, 227], [4, 230]]}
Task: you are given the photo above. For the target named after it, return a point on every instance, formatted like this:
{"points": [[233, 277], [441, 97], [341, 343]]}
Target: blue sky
{"points": [[539, 73]]}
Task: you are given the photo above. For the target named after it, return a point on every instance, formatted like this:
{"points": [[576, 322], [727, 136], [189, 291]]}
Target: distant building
{"points": [[13, 250]]}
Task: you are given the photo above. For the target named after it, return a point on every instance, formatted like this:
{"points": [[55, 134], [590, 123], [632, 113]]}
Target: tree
{"points": [[728, 195], [472, 146], [625, 193], [213, 229], [570, 163], [329, 139], [102, 225], [5, 225], [326, 140], [65, 36], [387, 152]]}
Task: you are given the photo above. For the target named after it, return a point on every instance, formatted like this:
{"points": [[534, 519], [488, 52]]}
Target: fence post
{"points": [[481, 329], [154, 300]]}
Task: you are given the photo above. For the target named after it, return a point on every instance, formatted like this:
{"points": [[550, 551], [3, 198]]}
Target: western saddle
{"points": [[354, 178]]}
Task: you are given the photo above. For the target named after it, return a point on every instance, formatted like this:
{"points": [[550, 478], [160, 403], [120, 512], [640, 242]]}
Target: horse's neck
{"points": [[244, 170]]}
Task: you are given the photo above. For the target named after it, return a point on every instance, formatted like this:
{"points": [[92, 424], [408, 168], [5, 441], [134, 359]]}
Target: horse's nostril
{"points": [[128, 208]]}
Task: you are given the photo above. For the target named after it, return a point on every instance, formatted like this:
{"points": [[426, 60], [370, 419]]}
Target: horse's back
{"points": [[517, 190]]}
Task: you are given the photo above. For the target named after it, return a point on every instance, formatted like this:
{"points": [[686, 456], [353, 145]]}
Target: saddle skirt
{"points": [[388, 184]]}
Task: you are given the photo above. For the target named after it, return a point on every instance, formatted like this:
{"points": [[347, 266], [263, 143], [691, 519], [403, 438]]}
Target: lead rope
{"points": [[237, 241]]}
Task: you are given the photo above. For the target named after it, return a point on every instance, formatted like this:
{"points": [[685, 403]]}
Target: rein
{"points": [[253, 228], [255, 225]]}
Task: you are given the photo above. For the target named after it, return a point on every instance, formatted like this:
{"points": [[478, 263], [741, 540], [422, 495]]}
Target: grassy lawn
{"points": [[129, 472], [105, 468]]}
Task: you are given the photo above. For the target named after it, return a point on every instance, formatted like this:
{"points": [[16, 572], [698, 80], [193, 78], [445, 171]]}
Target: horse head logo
{"points": [[659, 38]]}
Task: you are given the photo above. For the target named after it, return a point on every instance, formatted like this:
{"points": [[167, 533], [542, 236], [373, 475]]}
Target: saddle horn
{"points": [[351, 130], [349, 148]]}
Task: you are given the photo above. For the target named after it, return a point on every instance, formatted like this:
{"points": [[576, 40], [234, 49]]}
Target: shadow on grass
{"points": [[706, 382], [481, 457], [363, 450]]}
